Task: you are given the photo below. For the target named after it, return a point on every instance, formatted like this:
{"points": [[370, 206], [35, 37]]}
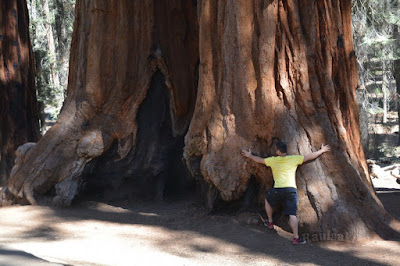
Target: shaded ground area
{"points": [[171, 233]]}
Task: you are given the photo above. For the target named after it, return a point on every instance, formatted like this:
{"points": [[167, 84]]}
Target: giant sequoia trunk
{"points": [[129, 102], [18, 106], [267, 70], [283, 70]]}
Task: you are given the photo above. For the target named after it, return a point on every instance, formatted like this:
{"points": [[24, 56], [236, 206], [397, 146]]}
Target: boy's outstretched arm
{"points": [[248, 154], [314, 155]]}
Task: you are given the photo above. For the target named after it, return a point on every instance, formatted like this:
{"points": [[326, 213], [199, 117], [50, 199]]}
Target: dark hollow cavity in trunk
{"points": [[154, 169]]}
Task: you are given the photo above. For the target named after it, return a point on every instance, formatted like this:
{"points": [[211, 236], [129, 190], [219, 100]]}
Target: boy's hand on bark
{"points": [[246, 153], [325, 148]]}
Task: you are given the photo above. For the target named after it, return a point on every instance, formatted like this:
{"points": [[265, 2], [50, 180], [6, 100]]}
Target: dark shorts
{"points": [[287, 196]]}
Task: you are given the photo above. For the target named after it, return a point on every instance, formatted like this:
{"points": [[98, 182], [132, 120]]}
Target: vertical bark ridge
{"points": [[264, 121], [196, 140]]}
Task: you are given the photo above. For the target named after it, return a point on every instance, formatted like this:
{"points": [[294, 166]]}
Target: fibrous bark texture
{"points": [[132, 63], [18, 106], [283, 70], [262, 71]]}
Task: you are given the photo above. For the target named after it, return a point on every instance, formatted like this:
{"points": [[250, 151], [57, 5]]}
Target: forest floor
{"points": [[178, 232], [181, 232]]}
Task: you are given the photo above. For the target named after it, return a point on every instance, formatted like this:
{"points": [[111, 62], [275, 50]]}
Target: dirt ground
{"points": [[172, 233]]}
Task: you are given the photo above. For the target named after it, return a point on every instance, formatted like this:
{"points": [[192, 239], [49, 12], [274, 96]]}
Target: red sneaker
{"points": [[268, 224], [298, 241]]}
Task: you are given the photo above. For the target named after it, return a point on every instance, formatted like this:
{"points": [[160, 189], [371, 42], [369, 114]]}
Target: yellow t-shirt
{"points": [[284, 169]]}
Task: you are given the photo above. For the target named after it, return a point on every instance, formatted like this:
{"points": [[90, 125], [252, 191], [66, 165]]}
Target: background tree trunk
{"points": [[385, 89], [54, 76], [64, 12], [18, 107], [396, 72], [268, 70]]}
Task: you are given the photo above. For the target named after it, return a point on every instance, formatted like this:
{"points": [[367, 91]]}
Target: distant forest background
{"points": [[51, 26], [376, 41]]}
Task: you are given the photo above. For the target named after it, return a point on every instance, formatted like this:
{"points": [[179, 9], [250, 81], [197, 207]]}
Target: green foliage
{"points": [[59, 21], [373, 24]]}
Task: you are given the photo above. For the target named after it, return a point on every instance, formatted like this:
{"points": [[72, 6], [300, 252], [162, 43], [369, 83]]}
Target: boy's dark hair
{"points": [[281, 146]]}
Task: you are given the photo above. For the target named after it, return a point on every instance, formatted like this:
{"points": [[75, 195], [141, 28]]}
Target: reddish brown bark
{"points": [[18, 106], [283, 70], [122, 52], [268, 70]]}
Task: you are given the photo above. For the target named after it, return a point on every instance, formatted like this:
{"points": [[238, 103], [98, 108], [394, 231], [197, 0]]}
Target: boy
{"points": [[284, 168]]}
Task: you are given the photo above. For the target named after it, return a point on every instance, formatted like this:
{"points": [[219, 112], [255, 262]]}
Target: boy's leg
{"points": [[270, 201], [291, 210], [294, 224], [269, 211]]}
